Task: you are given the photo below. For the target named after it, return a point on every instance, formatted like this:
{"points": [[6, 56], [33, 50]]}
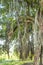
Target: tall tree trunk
{"points": [[41, 56], [8, 53], [37, 44], [37, 55]]}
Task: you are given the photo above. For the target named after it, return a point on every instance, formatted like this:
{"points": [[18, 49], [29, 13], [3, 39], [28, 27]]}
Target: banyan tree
{"points": [[28, 15], [38, 54], [25, 36]]}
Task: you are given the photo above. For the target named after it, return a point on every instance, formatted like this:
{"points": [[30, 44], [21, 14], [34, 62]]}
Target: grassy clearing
{"points": [[14, 60], [12, 63]]}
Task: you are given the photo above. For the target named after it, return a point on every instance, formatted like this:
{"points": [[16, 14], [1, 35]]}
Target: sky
{"points": [[1, 6], [11, 46], [2, 41], [0, 27]]}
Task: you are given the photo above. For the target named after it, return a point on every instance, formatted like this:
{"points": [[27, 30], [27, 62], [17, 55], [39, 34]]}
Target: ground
{"points": [[14, 62], [28, 64]]}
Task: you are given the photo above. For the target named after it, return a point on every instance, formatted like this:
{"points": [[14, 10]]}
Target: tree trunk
{"points": [[20, 54], [36, 55], [8, 55], [37, 42], [41, 56]]}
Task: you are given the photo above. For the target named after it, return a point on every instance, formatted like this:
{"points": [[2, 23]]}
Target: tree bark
{"points": [[37, 55], [41, 56]]}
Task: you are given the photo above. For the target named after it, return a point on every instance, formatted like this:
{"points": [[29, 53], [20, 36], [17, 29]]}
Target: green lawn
{"points": [[12, 61]]}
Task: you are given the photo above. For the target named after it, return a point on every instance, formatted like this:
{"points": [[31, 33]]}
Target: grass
{"points": [[12, 61]]}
